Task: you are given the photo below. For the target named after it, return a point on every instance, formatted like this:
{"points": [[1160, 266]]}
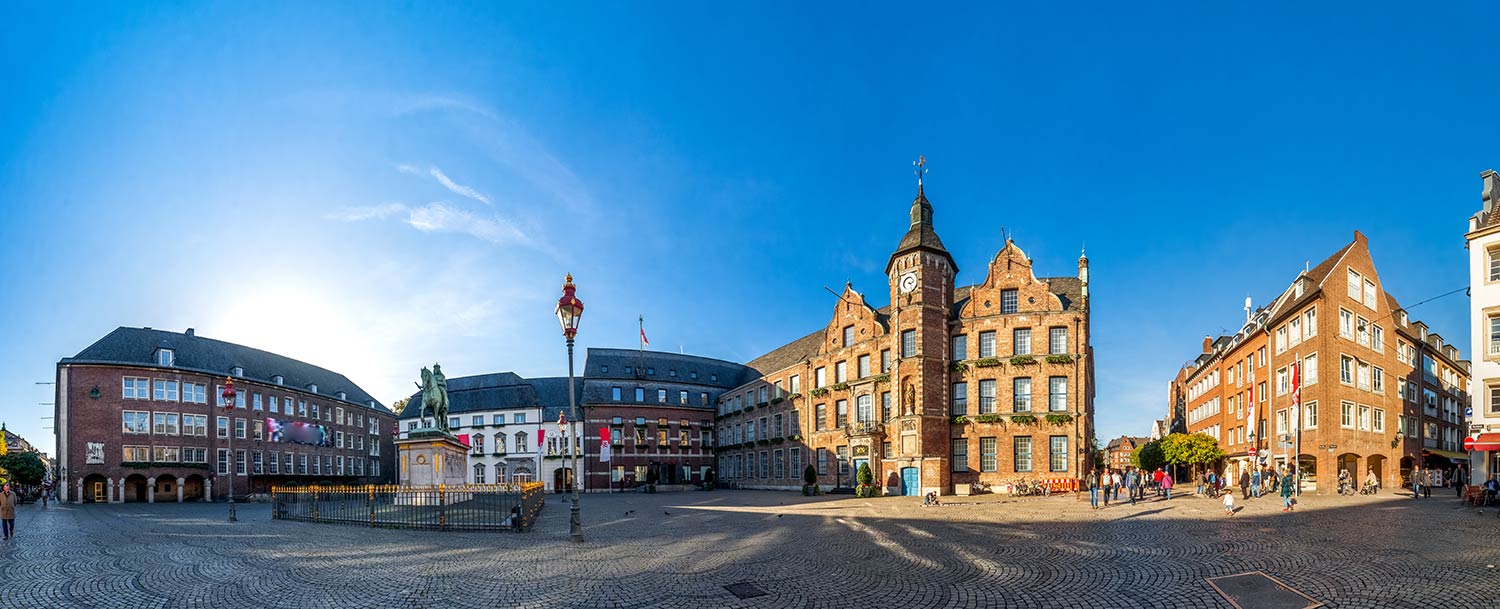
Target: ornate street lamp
{"points": [[569, 311], [228, 397]]}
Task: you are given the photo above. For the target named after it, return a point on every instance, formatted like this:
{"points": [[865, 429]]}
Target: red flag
{"points": [[604, 435], [463, 438], [644, 342], [539, 435], [1296, 395]]}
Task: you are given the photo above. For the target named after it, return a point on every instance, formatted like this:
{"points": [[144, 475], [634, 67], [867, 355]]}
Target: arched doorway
{"points": [[192, 488], [1307, 472], [1406, 465], [135, 488], [166, 488], [562, 479], [95, 489], [1375, 463]]}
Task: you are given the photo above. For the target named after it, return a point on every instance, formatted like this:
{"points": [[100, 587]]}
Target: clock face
{"points": [[908, 282]]}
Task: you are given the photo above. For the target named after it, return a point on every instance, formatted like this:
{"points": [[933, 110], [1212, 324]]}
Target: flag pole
{"points": [[1297, 411]]}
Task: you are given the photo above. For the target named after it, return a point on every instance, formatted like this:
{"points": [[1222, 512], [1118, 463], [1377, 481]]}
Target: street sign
{"points": [[1252, 451], [1469, 412], [1469, 443], [1285, 444]]}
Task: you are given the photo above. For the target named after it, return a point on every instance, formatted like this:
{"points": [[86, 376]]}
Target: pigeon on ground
{"points": [[629, 512], [667, 513], [780, 515]]}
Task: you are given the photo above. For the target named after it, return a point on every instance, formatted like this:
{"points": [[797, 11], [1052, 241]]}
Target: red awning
{"points": [[1487, 442]]}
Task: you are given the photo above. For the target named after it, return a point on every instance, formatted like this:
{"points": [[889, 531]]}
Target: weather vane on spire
{"points": [[921, 169]]}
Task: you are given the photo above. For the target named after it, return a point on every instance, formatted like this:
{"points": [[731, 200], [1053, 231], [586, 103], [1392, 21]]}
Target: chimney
{"points": [[189, 332], [1083, 272], [1247, 308], [1208, 344]]}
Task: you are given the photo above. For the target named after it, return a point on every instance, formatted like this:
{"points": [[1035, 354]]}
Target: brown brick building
{"points": [[947, 385], [1379, 392], [1117, 452], [138, 419]]}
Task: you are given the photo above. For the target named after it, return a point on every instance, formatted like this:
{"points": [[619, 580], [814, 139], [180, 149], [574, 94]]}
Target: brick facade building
{"points": [[947, 385], [1117, 452], [1379, 392], [138, 419]]}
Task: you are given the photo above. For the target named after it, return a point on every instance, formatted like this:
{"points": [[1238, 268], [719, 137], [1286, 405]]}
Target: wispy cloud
{"points": [[459, 189], [371, 212], [442, 218], [439, 217], [448, 183]]}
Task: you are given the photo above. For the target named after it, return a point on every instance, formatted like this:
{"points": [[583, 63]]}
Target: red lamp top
{"points": [[569, 308], [229, 392]]}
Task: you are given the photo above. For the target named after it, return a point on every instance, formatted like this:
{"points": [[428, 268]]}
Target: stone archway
{"points": [[562, 479], [136, 489], [95, 489], [1375, 463], [192, 488], [165, 489]]}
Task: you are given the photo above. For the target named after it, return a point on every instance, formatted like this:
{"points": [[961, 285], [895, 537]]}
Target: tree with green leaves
{"points": [[1148, 456], [23, 467], [1194, 450]]}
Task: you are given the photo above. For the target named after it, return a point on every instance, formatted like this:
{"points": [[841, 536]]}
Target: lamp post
{"points": [[569, 311], [228, 397]]}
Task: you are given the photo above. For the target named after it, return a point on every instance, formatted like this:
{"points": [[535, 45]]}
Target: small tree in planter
{"points": [[866, 480], [810, 481]]}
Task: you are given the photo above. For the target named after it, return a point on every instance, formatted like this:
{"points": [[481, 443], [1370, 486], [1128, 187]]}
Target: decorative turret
{"points": [[921, 236], [1083, 271]]}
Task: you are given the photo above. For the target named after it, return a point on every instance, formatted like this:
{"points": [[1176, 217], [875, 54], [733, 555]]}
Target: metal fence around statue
{"points": [[512, 507]]}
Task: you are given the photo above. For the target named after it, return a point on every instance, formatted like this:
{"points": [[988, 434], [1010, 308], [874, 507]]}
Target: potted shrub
{"points": [[810, 481], [866, 480]]}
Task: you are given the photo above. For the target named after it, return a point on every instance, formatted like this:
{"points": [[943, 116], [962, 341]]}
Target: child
{"points": [[1229, 504]]}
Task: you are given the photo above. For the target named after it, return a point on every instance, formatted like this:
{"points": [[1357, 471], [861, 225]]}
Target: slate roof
{"points": [[138, 346], [921, 235], [502, 391], [653, 370]]}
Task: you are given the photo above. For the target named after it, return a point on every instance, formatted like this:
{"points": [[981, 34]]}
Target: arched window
{"points": [[478, 442], [520, 441], [478, 473]]}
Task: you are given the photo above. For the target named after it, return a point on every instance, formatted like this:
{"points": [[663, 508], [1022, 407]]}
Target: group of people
{"points": [[1131, 481], [1422, 480]]}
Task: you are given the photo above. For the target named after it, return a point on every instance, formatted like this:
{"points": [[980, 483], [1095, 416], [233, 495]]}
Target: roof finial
{"points": [[921, 169]]}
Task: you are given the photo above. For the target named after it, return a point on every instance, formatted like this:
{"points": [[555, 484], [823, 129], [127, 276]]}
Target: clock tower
{"points": [[921, 274]]}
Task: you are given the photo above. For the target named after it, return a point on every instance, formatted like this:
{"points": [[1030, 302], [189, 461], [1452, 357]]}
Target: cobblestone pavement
{"points": [[680, 550]]}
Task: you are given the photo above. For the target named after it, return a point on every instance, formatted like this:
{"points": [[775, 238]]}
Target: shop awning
{"points": [[1447, 453], [1487, 441]]}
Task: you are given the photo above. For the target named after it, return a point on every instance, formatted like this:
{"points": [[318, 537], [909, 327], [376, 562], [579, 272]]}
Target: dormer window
{"points": [[312, 387], [237, 371], [340, 395], [370, 403], [165, 357], [276, 378]]}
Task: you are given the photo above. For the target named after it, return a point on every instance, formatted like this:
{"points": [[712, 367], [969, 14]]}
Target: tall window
{"points": [[1377, 338], [960, 348], [479, 473], [1346, 324], [1364, 375], [1370, 294], [986, 396], [795, 383], [1057, 393], [960, 399], [1309, 370], [1057, 341], [1379, 421], [1023, 453], [1021, 341], [885, 406], [864, 408], [1354, 285], [863, 365], [1346, 370], [615, 393], [661, 396], [1364, 417], [885, 360], [960, 457], [987, 344], [820, 417], [1377, 380], [1009, 299], [1310, 415], [1022, 386], [841, 412], [1310, 322], [841, 372], [640, 394], [820, 377], [908, 343], [1346, 415], [988, 455], [1057, 454], [848, 335]]}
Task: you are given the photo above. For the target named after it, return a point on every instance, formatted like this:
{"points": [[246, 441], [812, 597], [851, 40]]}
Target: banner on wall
{"points": [[297, 432]]}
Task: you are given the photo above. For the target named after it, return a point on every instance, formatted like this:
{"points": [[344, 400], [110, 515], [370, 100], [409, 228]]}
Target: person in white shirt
{"points": [[1229, 504]]}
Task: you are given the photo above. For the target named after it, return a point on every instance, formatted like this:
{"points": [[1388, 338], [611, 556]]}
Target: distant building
{"points": [[1117, 452], [1484, 329], [1379, 392], [139, 418]]}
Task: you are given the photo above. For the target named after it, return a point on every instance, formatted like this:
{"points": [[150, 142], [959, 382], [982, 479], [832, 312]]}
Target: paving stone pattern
{"points": [[682, 549]]}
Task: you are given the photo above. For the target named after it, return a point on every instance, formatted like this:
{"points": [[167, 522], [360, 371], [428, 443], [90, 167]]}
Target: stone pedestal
{"points": [[429, 457]]}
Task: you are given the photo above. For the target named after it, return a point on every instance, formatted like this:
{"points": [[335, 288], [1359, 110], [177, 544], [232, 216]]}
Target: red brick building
{"points": [[1379, 392], [1117, 452], [947, 385], [138, 419]]}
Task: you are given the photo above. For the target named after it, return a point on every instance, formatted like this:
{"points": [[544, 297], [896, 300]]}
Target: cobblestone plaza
{"points": [[682, 549]]}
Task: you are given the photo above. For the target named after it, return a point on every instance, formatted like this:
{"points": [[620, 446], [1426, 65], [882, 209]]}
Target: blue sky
{"points": [[372, 187]]}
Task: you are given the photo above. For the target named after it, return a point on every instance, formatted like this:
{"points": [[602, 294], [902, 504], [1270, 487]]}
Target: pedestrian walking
{"points": [[1245, 485], [1118, 482], [1093, 483], [1460, 481], [7, 512], [1229, 504], [1104, 486], [1255, 481], [1286, 492], [1156, 477], [1166, 486], [1133, 483], [1427, 478]]}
